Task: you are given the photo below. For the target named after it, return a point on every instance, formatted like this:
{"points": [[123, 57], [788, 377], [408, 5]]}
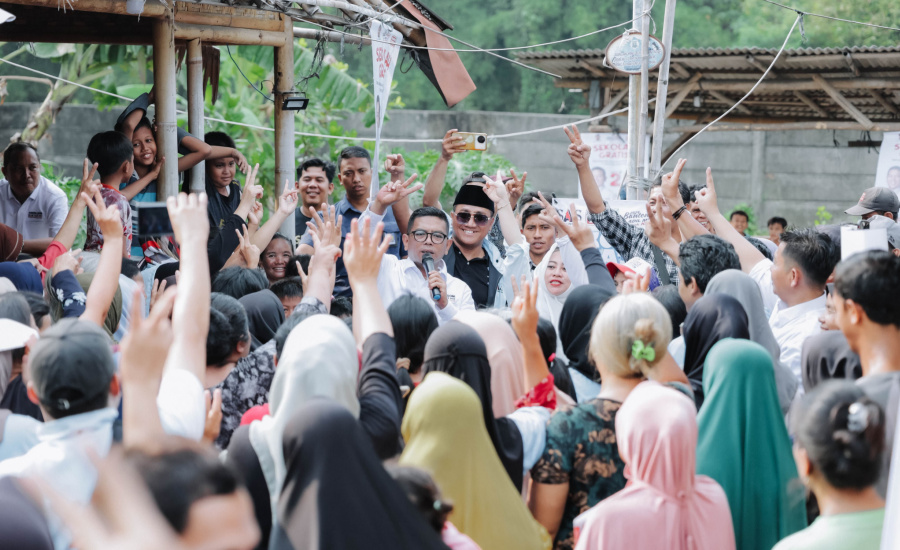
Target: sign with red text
{"points": [[385, 54], [609, 162], [888, 172]]}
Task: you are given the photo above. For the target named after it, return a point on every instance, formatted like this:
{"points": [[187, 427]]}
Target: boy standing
{"points": [[113, 153]]}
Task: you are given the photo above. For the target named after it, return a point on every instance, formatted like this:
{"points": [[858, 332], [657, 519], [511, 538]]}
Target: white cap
{"points": [[14, 335]]}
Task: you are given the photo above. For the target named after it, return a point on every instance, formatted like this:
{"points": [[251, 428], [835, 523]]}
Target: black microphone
{"points": [[428, 264]]}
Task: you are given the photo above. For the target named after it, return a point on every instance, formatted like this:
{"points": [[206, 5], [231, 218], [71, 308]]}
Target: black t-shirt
{"points": [[16, 400], [476, 273], [300, 220], [220, 207]]}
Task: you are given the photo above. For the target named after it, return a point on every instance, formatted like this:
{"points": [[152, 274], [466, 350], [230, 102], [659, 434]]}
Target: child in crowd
{"points": [[113, 154]]}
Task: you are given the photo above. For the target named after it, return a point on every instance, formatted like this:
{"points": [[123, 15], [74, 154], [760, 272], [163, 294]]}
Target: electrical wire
{"points": [[748, 94], [801, 12], [228, 49]]}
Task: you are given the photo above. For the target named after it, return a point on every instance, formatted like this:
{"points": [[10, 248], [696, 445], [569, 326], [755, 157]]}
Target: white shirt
{"points": [[532, 425], [19, 436], [40, 216], [181, 404], [518, 262], [399, 277], [790, 325]]}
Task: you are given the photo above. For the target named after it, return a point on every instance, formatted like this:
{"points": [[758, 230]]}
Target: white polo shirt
{"points": [[791, 326], [40, 216], [399, 277]]}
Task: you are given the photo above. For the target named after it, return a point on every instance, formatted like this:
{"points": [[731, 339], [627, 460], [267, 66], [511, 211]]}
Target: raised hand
{"points": [[188, 214], [327, 228], [670, 186], [71, 261], [578, 232], [287, 202], [524, 308], [578, 151], [249, 251], [516, 186], [635, 282], [241, 161], [707, 198], [146, 346], [250, 193], [255, 215], [395, 191], [395, 166], [363, 250], [658, 227], [496, 191], [451, 146], [87, 178]]}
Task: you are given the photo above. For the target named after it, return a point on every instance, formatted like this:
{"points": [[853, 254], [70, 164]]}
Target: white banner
{"points": [[385, 53], [633, 211], [888, 173], [609, 161]]}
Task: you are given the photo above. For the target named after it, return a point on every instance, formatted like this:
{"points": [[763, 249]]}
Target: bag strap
{"points": [[661, 268]]}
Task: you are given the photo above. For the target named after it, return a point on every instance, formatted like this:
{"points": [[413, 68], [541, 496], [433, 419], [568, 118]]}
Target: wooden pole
{"points": [[166, 128], [785, 126], [195, 108], [226, 35], [645, 92], [284, 120], [634, 100], [330, 36], [662, 88]]}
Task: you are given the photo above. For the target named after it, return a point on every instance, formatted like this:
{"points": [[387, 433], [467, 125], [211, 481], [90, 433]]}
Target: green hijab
{"points": [[743, 444]]}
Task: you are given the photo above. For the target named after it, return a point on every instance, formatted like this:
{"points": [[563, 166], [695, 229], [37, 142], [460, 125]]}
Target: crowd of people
{"points": [[464, 376]]}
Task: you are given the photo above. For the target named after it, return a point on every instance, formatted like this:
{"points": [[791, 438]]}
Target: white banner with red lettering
{"points": [[888, 172], [609, 161], [385, 52], [633, 211]]}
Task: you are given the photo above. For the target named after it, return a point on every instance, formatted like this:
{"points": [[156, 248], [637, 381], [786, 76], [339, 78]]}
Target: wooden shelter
{"points": [[171, 24], [807, 89]]}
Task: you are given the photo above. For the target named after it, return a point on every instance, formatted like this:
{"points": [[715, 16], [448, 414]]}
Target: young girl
{"points": [[839, 438]]}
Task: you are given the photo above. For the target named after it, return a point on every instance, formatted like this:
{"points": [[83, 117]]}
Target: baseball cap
{"points": [[635, 265], [890, 227], [72, 364], [875, 199]]}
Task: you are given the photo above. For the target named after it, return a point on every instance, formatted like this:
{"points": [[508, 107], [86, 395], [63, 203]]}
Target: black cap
{"points": [[72, 364], [474, 195], [875, 199]]}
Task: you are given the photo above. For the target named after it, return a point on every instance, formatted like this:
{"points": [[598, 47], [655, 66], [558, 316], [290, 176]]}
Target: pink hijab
{"points": [[656, 430], [505, 356]]}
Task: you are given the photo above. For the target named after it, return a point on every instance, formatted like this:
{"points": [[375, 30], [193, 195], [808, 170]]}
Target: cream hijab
{"points": [[319, 359], [446, 436], [549, 306]]}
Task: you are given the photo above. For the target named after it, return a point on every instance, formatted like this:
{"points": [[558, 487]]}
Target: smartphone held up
{"points": [[473, 141]]}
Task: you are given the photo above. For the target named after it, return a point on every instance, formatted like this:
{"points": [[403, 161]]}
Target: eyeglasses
{"points": [[480, 219], [421, 236]]}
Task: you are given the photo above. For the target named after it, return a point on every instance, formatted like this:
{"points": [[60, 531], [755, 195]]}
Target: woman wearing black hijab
{"points": [[712, 318], [265, 314], [459, 351], [575, 322], [336, 492]]}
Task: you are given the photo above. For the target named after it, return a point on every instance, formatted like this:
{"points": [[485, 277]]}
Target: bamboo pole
{"points": [[645, 92], [634, 100], [330, 36], [195, 107], [662, 88], [225, 35], [166, 128], [284, 120]]}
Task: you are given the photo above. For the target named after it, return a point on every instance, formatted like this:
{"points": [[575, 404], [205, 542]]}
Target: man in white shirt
{"points": [[429, 233], [30, 203], [792, 287]]}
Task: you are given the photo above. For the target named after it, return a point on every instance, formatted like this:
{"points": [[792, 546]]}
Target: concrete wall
{"points": [[788, 174]]}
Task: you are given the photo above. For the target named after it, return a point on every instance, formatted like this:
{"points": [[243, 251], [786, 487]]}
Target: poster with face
{"points": [[888, 172], [609, 162]]}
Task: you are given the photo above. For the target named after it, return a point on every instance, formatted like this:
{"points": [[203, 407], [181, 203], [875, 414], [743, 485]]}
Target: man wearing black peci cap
{"points": [[73, 380], [879, 201]]}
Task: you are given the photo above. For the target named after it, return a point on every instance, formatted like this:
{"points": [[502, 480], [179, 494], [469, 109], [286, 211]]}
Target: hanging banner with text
{"points": [[888, 172], [609, 162], [385, 52], [633, 211]]}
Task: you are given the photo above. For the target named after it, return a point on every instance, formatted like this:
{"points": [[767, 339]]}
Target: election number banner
{"points": [[633, 211], [888, 172], [609, 162]]}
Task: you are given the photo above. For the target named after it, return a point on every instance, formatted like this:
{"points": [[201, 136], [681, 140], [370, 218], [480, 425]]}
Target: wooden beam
{"points": [[811, 104], [611, 104], [284, 119], [885, 102], [843, 102], [780, 85], [682, 93], [330, 36], [854, 68], [766, 127], [165, 82], [225, 35], [680, 70], [757, 65], [728, 101], [591, 69]]}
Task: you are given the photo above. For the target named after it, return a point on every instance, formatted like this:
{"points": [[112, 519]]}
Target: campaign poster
{"points": [[888, 172], [609, 162], [385, 52], [633, 211]]}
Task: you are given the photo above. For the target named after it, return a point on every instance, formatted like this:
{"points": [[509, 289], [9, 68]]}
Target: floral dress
{"points": [[581, 451]]}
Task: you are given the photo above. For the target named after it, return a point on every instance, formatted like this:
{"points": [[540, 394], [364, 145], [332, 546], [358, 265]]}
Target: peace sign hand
{"points": [[670, 186], [524, 307], [395, 191], [578, 151], [707, 198]]}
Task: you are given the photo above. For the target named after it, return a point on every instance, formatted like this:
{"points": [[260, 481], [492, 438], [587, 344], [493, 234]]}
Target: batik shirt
{"points": [[581, 451], [94, 239]]}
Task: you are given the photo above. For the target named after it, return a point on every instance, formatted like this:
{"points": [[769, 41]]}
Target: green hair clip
{"points": [[640, 351]]}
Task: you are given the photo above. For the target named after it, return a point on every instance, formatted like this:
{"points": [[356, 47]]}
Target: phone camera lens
{"points": [[481, 139]]}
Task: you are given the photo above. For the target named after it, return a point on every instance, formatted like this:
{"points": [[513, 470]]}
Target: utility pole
{"points": [[634, 100], [662, 88], [645, 93]]}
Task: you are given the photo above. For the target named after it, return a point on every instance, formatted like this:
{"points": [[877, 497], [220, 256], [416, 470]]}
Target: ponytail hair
{"points": [[423, 492], [631, 335], [842, 432]]}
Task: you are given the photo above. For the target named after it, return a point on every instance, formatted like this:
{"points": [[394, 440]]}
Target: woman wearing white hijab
{"points": [[558, 274]]}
